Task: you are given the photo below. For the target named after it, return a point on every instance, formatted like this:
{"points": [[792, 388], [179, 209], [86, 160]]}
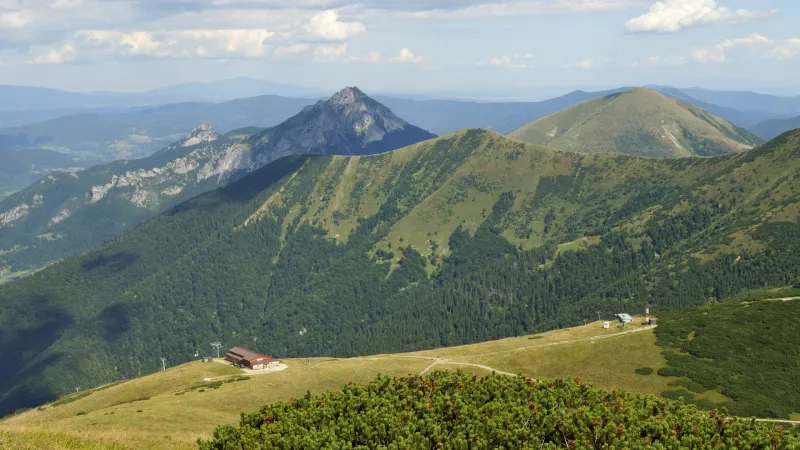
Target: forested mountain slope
{"points": [[453, 240], [639, 122], [67, 213]]}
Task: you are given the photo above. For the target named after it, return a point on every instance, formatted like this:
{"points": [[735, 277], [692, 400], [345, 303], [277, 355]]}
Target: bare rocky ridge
{"points": [[119, 195], [349, 123]]}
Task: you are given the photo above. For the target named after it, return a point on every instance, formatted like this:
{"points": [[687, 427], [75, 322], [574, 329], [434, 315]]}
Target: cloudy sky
{"points": [[401, 45]]}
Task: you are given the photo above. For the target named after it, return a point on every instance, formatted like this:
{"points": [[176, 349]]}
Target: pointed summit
{"points": [[203, 133], [349, 123], [347, 96]]}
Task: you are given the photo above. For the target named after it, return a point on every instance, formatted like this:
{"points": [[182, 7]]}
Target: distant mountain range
{"points": [[773, 128], [66, 213], [106, 126], [20, 168], [24, 98], [140, 133], [640, 122]]}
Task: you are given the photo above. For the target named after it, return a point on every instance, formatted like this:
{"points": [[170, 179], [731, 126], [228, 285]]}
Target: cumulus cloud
{"points": [[786, 49], [91, 44], [517, 8], [292, 50], [407, 56], [14, 20], [719, 53], [330, 52], [326, 25], [660, 61], [669, 16], [371, 57], [585, 64], [518, 61], [56, 56]]}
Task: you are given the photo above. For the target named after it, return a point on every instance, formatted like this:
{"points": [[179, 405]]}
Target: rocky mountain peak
{"points": [[203, 133], [347, 96]]}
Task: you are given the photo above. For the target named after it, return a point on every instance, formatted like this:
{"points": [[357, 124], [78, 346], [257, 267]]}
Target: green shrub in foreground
{"points": [[459, 411]]}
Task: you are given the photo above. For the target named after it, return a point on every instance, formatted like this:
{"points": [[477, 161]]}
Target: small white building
{"points": [[606, 325], [624, 318]]}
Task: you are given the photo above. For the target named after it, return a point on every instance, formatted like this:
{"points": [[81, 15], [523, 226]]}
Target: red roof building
{"points": [[248, 358]]}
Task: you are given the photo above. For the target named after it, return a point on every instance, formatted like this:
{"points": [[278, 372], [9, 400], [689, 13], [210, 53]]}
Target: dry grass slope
{"points": [[639, 122], [150, 413]]}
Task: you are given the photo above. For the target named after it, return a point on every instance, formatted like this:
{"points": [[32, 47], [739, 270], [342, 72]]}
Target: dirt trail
{"points": [[791, 422], [572, 341], [438, 360]]}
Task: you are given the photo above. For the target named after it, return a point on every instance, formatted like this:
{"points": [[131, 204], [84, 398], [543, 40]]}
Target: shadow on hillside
{"points": [[115, 320], [20, 378], [244, 189], [116, 262]]}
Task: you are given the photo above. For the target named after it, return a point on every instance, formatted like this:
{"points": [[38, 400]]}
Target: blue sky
{"points": [[501, 48]]}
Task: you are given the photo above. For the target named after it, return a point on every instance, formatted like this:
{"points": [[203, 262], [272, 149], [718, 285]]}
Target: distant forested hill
{"points": [[464, 238], [19, 168]]}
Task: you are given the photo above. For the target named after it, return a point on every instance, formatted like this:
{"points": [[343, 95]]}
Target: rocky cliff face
{"points": [[145, 183], [88, 207], [349, 123], [66, 213]]}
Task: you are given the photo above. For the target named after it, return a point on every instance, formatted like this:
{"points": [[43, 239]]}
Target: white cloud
{"points": [[719, 53], [407, 56], [518, 8], [14, 20], [330, 52], [786, 49], [669, 16], [93, 44], [292, 50], [56, 56], [326, 25], [660, 61], [372, 57], [585, 64], [518, 61]]}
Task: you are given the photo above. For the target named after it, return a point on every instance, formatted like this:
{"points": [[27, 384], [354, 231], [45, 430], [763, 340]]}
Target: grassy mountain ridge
{"points": [[449, 241], [640, 122]]}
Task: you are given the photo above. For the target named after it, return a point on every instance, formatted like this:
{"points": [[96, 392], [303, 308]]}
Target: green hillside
{"points": [[464, 238], [639, 122], [748, 351], [171, 409]]}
